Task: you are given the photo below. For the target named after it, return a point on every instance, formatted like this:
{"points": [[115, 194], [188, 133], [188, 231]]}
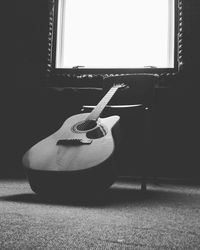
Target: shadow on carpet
{"points": [[116, 195]]}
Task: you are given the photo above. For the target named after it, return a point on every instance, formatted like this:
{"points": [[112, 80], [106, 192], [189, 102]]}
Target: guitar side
{"points": [[47, 155]]}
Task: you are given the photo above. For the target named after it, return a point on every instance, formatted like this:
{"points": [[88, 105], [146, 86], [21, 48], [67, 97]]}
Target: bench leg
{"points": [[143, 185]]}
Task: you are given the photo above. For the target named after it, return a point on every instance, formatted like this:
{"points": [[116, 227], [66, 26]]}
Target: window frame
{"points": [[68, 72]]}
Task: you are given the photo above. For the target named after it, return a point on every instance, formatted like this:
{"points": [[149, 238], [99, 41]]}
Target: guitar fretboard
{"points": [[96, 112]]}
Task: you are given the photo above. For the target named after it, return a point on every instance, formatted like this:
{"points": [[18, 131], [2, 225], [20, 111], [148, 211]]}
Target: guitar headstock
{"points": [[120, 85]]}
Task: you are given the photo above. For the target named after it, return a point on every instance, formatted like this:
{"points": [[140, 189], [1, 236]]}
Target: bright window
{"points": [[115, 34]]}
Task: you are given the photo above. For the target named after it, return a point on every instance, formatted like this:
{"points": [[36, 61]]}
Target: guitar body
{"points": [[76, 158]]}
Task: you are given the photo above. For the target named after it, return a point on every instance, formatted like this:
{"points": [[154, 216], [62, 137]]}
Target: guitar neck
{"points": [[96, 112]]}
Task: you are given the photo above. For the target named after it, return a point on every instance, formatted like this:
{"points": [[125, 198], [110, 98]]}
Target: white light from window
{"points": [[115, 33]]}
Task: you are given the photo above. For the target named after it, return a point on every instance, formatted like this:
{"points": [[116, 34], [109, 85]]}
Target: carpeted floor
{"points": [[165, 217]]}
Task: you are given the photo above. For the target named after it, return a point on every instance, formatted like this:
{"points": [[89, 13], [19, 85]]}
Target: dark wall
{"points": [[31, 111]]}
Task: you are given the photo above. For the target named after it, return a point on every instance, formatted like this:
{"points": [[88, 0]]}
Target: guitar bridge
{"points": [[74, 142]]}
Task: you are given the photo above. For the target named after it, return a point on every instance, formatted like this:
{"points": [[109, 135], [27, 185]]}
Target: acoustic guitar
{"points": [[77, 157]]}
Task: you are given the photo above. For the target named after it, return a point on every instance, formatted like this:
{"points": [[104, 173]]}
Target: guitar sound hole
{"points": [[85, 126]]}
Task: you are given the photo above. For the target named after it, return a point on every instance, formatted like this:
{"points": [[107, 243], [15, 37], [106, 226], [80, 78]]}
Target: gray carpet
{"points": [[165, 217]]}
